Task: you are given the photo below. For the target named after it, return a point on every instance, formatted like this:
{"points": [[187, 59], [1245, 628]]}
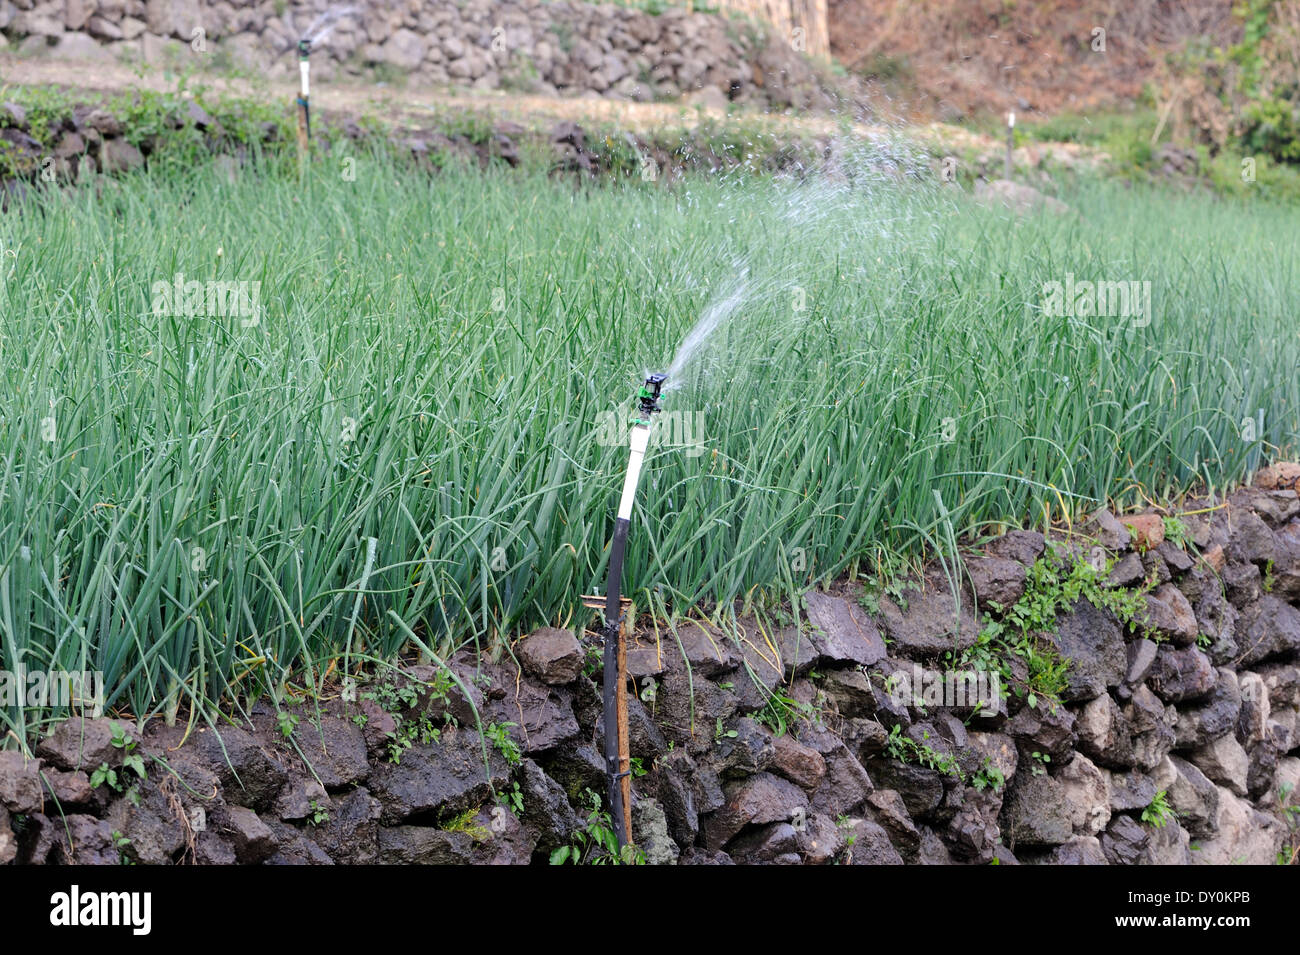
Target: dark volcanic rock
{"points": [[1210, 719], [1250, 540], [1078, 850], [1124, 841], [251, 838], [1151, 726], [708, 651], [351, 834], [439, 779], [776, 844], [871, 845], [546, 807], [756, 800], [542, 715], [1034, 812], [1191, 795], [335, 750], [251, 774], [1091, 640], [91, 841], [844, 786], [424, 845], [746, 752], [932, 624], [1106, 529], [79, 743], [21, 790], [688, 707], [842, 631], [1216, 617], [1129, 791], [1024, 547], [1104, 736], [1267, 629], [1243, 583], [920, 787], [552, 655], [997, 581], [1180, 675], [1128, 571], [1044, 729], [575, 766], [676, 787], [800, 764], [1169, 616]]}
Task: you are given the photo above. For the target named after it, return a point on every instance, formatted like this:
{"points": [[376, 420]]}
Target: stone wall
{"points": [[1175, 741], [560, 48]]}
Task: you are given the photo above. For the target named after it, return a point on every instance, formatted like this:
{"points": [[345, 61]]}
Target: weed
{"points": [[130, 758], [988, 776], [1158, 813], [513, 799], [596, 843], [1288, 809], [907, 750], [1022, 628], [499, 735], [121, 843], [467, 822], [781, 710], [1176, 532]]}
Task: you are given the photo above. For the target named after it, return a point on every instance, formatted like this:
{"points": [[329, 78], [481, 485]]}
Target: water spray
{"points": [[617, 761]]}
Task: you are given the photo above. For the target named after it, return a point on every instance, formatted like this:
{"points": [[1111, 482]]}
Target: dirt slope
{"points": [[952, 57]]}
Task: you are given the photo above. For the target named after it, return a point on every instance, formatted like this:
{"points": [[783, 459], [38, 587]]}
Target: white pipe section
{"points": [[303, 67], [640, 441]]}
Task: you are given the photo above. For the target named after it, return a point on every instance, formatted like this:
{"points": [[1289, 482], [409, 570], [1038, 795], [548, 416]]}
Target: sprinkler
{"points": [[304, 95], [617, 764], [314, 35]]}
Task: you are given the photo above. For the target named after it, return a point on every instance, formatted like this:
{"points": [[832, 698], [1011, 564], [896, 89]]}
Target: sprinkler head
{"points": [[304, 48], [648, 396]]}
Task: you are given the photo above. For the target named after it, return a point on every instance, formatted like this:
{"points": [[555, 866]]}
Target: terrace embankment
{"points": [[85, 141], [52, 139], [1147, 669]]}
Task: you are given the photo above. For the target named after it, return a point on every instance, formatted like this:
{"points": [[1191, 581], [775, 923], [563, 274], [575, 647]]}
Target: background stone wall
{"points": [[527, 46]]}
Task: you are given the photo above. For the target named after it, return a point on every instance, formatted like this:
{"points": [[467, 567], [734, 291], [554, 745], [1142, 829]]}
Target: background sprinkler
{"points": [[304, 94], [316, 34], [617, 763]]}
